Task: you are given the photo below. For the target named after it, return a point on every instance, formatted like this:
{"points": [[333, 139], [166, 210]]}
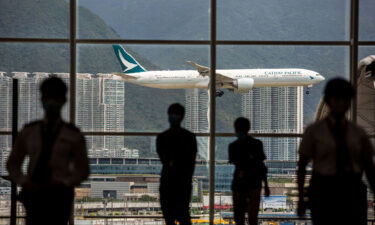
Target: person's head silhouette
{"points": [[176, 114], [338, 94], [241, 127], [53, 91]]}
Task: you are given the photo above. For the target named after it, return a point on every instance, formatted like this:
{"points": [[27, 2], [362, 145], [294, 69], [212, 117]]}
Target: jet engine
{"points": [[243, 85]]}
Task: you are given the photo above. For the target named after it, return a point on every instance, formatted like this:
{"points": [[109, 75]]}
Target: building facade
{"points": [[151, 167], [196, 117], [276, 110], [99, 107]]}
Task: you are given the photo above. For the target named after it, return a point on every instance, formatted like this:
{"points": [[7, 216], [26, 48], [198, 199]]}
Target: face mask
{"points": [[174, 119], [241, 134], [52, 107]]}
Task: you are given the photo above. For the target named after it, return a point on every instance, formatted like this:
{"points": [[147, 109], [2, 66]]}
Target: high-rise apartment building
{"points": [[196, 107], [100, 107], [85, 95], [100, 101], [5, 118], [111, 109], [29, 107], [196, 117], [5, 102], [65, 110], [276, 110]]}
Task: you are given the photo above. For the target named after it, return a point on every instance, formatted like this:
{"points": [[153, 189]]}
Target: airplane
{"points": [[236, 80]]}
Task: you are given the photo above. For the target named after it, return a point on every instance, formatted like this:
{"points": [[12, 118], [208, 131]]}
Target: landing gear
{"points": [[307, 90], [219, 93]]}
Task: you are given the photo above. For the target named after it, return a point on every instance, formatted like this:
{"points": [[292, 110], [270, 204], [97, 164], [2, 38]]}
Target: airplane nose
{"points": [[320, 78]]}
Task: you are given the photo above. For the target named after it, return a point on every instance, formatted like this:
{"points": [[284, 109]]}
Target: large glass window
{"points": [[6, 104], [5, 146], [34, 19], [121, 118], [278, 109], [125, 181], [281, 154], [366, 18], [144, 19], [291, 20], [30, 64], [107, 102]]}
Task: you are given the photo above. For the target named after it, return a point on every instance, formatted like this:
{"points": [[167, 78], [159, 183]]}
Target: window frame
{"points": [[72, 40]]}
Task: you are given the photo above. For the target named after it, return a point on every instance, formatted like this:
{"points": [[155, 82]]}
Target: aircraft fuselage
{"points": [[178, 79]]}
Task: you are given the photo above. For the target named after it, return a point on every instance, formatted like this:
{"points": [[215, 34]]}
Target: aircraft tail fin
{"points": [[127, 62]]}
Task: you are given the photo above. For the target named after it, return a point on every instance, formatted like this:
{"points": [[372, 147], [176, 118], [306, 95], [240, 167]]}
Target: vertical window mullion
{"points": [[354, 23], [212, 113], [73, 57], [72, 77]]}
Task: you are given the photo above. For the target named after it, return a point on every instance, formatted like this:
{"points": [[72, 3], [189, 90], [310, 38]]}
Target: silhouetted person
{"points": [[57, 160], [340, 152], [177, 149], [247, 154]]}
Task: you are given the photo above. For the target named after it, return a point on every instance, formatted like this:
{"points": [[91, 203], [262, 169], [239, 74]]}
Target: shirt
{"points": [[319, 145], [177, 150], [247, 155]]}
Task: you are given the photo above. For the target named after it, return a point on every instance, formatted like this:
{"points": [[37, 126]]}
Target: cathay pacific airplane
{"points": [[236, 80]]}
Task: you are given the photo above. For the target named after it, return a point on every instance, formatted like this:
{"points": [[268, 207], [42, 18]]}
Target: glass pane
{"points": [[364, 51], [34, 19], [275, 109], [5, 185], [223, 180], [366, 20], [281, 163], [125, 182], [107, 102], [306, 20], [30, 64], [5, 147], [144, 19], [5, 102]]}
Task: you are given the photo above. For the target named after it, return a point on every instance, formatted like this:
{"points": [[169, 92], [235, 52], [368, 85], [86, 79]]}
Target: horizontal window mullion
{"points": [[287, 43], [366, 43], [207, 42], [138, 41], [282, 135], [35, 40]]}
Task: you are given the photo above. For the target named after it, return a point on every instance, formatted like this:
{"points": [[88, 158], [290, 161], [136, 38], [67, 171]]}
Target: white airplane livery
{"points": [[236, 80]]}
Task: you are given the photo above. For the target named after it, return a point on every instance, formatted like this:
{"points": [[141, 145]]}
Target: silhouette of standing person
{"points": [[177, 149], [247, 154], [340, 152], [57, 160]]}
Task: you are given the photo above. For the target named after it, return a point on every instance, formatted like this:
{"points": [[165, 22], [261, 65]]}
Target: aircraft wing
{"points": [[125, 76], [223, 79], [205, 71]]}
